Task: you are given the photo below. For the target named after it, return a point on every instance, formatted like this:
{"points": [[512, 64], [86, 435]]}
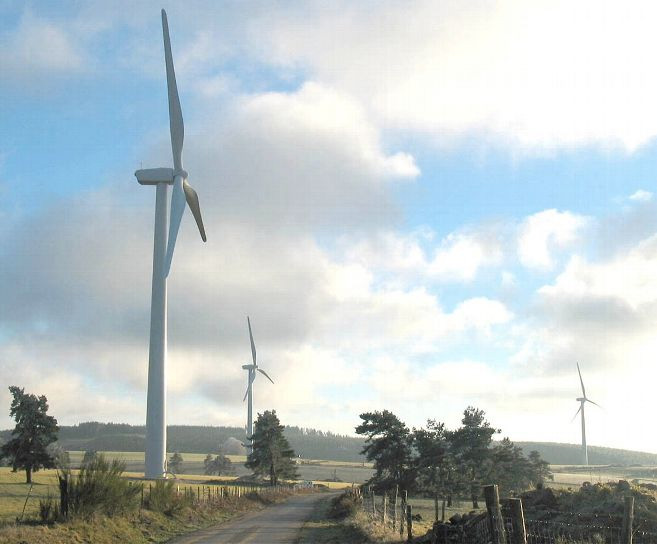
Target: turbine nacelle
{"points": [[153, 176]]}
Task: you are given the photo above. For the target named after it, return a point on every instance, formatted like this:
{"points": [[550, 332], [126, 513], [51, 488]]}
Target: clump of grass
{"points": [[48, 510], [165, 499], [97, 489]]}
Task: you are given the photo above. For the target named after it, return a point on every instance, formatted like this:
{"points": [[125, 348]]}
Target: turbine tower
{"points": [[252, 368], [583, 400], [156, 429]]}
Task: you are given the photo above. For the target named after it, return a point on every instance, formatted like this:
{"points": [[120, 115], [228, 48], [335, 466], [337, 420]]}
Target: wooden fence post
{"points": [[496, 523], [435, 506], [442, 516], [384, 516], [628, 519], [518, 522], [394, 519], [373, 505], [409, 522], [402, 518]]}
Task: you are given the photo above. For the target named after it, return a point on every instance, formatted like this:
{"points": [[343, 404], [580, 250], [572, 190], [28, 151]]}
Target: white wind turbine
{"points": [[252, 368], [162, 255], [582, 400]]}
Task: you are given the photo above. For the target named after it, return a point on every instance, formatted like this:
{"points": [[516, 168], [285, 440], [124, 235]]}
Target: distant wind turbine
{"points": [[162, 255], [252, 368], [583, 400]]}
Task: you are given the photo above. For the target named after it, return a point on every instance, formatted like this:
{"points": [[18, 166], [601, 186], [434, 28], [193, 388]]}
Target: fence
{"points": [[212, 493], [509, 525]]}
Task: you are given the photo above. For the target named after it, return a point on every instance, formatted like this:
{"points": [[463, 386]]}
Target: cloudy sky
{"points": [[421, 205]]}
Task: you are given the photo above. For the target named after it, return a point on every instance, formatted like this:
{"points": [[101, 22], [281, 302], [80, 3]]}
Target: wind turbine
{"points": [[252, 368], [583, 400], [156, 430]]}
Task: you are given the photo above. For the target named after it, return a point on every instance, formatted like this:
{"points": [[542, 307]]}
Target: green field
{"points": [[309, 469]]}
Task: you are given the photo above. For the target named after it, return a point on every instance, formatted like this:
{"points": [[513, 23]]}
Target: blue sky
{"points": [[434, 197]]}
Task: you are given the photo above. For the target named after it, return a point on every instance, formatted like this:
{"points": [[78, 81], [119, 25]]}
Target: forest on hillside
{"points": [[309, 443]]}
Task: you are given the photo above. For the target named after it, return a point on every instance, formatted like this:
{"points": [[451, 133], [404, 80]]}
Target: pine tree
{"points": [[388, 445], [175, 463], [34, 431], [271, 454]]}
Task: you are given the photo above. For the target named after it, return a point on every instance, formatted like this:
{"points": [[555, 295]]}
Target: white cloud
{"points": [[641, 196], [454, 69], [543, 233], [37, 49]]}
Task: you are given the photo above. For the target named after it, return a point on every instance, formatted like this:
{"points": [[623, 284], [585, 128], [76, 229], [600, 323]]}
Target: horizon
{"points": [[421, 206]]}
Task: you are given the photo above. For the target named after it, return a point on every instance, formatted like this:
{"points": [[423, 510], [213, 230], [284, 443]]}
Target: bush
{"points": [[98, 488], [344, 506], [163, 498], [48, 510]]}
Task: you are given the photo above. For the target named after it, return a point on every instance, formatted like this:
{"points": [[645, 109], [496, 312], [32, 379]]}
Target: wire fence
{"points": [[510, 525]]}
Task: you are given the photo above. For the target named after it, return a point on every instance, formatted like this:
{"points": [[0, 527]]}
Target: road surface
{"points": [[278, 524]]}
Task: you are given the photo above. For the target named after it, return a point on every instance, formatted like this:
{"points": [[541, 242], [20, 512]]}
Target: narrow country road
{"points": [[278, 524]]}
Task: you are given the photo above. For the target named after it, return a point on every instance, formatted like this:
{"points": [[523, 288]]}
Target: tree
{"points": [[470, 445], [175, 463], [219, 465], [540, 469], [431, 460], [388, 446], [89, 457], [271, 451], [34, 431]]}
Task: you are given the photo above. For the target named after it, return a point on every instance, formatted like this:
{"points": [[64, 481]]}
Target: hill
{"points": [[308, 443], [571, 454]]}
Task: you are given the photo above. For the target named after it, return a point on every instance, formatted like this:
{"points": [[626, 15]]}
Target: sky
{"points": [[422, 206]]}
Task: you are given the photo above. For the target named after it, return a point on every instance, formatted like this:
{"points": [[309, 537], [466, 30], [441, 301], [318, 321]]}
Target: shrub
{"points": [[164, 498], [98, 488], [343, 506], [48, 510]]}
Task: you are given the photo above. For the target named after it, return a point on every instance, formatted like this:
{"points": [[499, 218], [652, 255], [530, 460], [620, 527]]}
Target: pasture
{"points": [[309, 469]]}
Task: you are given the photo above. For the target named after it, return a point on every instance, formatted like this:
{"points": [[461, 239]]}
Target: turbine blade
{"points": [[253, 350], [266, 375], [192, 202], [177, 210], [588, 400], [175, 112], [581, 381], [247, 393], [578, 411]]}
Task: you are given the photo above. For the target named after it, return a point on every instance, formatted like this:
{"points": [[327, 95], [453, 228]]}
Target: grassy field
{"points": [[566, 476], [309, 469]]}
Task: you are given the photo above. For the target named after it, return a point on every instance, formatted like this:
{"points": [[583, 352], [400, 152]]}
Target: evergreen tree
{"points": [[271, 453], [34, 431], [219, 465], [175, 463], [388, 446], [540, 469], [470, 445], [431, 460]]}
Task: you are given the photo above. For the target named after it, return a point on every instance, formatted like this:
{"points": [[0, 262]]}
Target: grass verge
{"points": [[327, 525], [138, 527]]}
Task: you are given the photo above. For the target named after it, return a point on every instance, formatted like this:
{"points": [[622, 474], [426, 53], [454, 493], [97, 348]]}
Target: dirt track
{"points": [[274, 525]]}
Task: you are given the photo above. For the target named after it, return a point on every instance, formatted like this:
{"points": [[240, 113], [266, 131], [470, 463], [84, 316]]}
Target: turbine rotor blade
{"points": [[578, 411], [177, 210], [588, 400], [581, 381], [266, 375], [246, 394], [192, 202], [176, 125], [253, 348]]}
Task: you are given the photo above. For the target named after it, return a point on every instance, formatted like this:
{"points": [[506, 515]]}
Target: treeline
{"points": [[571, 454], [309, 443], [440, 462]]}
